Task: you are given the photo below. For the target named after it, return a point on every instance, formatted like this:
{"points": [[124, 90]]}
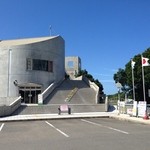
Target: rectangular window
{"points": [[40, 65], [70, 64], [37, 64]]}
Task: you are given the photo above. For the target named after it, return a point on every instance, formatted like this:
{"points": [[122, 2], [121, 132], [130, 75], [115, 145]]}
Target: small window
{"points": [[70, 64]]}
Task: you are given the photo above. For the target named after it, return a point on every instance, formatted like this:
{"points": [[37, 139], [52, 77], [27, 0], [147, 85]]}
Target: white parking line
{"points": [[57, 129], [91, 122], [117, 130], [121, 131], [1, 127]]}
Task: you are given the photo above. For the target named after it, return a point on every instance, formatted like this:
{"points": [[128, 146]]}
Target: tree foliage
{"points": [[124, 76]]}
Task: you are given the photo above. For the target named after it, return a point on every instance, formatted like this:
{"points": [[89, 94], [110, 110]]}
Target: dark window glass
{"points": [[40, 65], [37, 64]]}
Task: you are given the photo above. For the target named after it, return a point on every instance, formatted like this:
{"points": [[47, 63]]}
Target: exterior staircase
{"points": [[76, 93]]}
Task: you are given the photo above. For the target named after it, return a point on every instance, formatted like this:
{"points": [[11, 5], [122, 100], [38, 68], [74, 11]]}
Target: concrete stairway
{"points": [[53, 108], [82, 100]]}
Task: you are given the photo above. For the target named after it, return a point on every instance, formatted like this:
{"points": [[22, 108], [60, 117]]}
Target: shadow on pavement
{"points": [[111, 108]]}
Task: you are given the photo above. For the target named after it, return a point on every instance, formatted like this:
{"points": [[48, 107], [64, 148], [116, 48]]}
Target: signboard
{"points": [[141, 108], [122, 107], [134, 111], [130, 111]]}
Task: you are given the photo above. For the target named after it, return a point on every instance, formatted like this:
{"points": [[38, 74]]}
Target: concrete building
{"points": [[29, 66], [72, 65]]}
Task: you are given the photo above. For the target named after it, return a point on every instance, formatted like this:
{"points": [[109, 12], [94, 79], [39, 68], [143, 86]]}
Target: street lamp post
{"points": [[119, 86]]}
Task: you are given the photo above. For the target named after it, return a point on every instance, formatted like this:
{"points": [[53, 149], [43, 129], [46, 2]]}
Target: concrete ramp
{"points": [[72, 92]]}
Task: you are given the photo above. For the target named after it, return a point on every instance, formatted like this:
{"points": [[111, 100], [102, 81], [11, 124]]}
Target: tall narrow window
{"points": [[29, 64]]}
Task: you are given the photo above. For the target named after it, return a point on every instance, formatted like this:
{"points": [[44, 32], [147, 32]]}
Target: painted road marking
{"points": [[91, 122], [121, 131], [57, 129], [1, 127]]}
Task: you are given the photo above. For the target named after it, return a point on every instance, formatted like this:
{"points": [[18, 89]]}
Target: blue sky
{"points": [[105, 34]]}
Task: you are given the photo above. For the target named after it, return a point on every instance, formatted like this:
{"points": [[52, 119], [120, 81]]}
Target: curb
{"points": [[37, 117], [52, 117], [130, 119]]}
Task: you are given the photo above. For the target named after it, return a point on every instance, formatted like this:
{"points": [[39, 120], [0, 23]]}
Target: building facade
{"points": [[29, 66], [72, 65]]}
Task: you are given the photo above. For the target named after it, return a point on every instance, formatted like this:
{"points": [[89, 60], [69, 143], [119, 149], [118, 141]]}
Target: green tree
{"points": [[124, 76], [120, 77]]}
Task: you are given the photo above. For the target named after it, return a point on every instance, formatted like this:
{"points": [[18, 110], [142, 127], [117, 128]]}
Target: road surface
{"points": [[74, 134]]}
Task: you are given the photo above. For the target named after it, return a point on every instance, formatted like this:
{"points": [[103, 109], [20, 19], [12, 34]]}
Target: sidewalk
{"points": [[126, 117], [113, 115], [33, 117]]}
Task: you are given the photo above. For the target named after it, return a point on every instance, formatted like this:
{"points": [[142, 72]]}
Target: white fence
{"points": [[139, 109]]}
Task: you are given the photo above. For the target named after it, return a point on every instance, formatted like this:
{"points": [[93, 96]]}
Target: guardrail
{"points": [[93, 86], [45, 93], [71, 94], [48, 91], [9, 106]]}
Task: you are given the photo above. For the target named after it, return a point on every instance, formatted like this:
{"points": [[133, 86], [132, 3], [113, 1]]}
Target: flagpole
{"points": [[50, 30], [132, 66], [143, 80]]}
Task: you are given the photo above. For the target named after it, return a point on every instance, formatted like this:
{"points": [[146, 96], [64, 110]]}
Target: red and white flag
{"points": [[145, 62]]}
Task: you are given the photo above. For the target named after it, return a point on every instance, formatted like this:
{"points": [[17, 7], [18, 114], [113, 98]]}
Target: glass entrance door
{"points": [[29, 96], [29, 92]]}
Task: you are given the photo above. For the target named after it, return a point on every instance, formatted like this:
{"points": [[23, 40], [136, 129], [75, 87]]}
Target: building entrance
{"points": [[29, 92]]}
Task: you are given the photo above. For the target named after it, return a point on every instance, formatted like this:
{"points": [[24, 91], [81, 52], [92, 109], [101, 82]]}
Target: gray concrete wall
{"points": [[3, 72], [13, 60], [93, 86], [10, 104], [72, 70]]}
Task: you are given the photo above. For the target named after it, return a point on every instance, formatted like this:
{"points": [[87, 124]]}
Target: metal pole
{"points": [[143, 81], [119, 94], [9, 72], [133, 82], [50, 30]]}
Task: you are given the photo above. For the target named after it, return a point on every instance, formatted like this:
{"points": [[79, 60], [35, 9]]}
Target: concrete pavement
{"points": [[113, 115]]}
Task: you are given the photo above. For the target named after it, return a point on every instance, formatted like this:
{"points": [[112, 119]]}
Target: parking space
{"points": [[1, 126], [100, 133]]}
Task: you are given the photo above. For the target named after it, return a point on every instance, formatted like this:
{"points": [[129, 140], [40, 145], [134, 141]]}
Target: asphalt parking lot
{"points": [[74, 134]]}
